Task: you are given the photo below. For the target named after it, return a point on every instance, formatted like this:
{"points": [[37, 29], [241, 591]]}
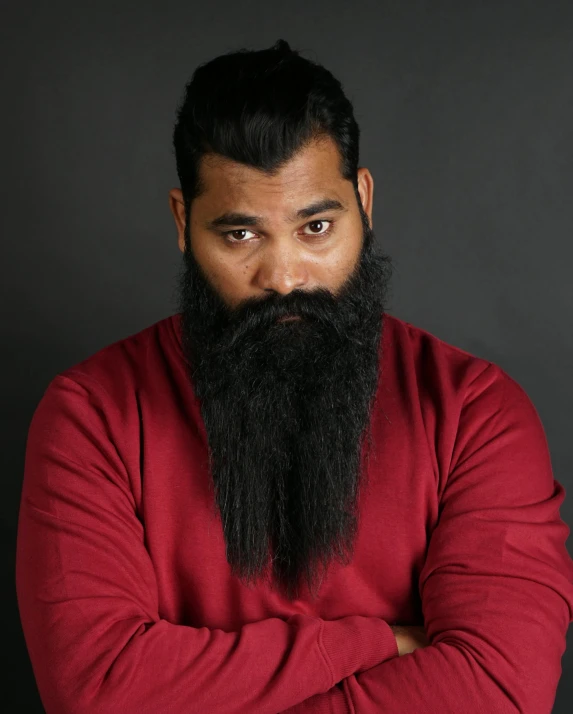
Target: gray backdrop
{"points": [[466, 110]]}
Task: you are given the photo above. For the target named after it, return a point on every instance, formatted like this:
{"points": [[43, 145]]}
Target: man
{"points": [[282, 498]]}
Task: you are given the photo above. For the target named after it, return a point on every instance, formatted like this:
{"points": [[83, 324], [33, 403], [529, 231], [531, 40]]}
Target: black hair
{"points": [[259, 108]]}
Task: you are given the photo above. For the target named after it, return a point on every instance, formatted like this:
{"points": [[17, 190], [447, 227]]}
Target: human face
{"points": [[275, 236]]}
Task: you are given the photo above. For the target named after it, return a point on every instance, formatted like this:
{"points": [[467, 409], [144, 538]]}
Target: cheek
{"points": [[339, 267], [230, 283], [220, 274]]}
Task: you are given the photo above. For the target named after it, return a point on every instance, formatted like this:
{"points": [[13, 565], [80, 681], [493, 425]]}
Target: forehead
{"points": [[312, 171]]}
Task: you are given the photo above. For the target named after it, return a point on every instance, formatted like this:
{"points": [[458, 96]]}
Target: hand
{"points": [[409, 638]]}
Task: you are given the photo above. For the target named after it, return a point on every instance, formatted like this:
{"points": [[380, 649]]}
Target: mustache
{"points": [[318, 306]]}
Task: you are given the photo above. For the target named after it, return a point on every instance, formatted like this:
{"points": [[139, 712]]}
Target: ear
{"points": [[177, 206], [366, 191]]}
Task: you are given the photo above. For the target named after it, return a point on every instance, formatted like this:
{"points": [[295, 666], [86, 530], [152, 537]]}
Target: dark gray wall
{"points": [[466, 111]]}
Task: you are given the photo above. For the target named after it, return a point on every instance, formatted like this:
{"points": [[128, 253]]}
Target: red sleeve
{"points": [[88, 598], [497, 584]]}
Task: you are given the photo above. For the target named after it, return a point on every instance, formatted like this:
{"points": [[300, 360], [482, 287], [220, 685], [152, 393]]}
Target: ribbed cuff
{"points": [[356, 643]]}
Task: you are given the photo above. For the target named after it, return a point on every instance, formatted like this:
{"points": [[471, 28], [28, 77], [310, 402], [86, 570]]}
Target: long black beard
{"points": [[286, 409]]}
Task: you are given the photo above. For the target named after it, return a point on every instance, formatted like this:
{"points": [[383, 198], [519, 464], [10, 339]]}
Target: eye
{"points": [[231, 237], [320, 223]]}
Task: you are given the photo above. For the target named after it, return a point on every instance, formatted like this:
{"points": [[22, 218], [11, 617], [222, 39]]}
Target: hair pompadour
{"points": [[259, 107]]}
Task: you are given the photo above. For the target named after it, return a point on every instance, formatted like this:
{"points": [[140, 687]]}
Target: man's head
{"points": [[274, 219]]}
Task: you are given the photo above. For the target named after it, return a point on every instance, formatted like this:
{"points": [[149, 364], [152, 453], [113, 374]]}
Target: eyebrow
{"points": [[233, 218]]}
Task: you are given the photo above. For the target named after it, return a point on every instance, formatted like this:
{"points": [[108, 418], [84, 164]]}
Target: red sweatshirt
{"points": [[126, 598]]}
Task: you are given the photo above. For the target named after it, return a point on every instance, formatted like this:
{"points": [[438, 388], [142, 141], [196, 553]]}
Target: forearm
{"points": [[408, 638], [437, 680], [460, 672]]}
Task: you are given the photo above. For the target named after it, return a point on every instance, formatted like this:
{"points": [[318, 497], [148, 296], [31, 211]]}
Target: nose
{"points": [[282, 270]]}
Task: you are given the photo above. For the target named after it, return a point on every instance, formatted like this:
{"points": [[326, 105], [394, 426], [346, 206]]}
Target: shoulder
{"points": [[482, 425], [121, 368], [416, 341], [446, 372]]}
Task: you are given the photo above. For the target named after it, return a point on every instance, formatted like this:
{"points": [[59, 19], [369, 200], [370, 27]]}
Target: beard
{"points": [[286, 408]]}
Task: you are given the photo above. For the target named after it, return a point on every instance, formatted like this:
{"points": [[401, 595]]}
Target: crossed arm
{"points": [[496, 588]]}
